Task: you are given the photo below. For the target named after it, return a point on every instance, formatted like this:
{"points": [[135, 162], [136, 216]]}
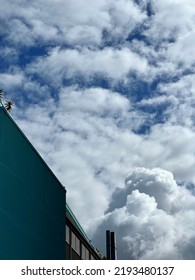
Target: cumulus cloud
{"points": [[152, 216]]}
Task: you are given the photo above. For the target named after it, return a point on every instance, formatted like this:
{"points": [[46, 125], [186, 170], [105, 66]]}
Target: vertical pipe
{"points": [[108, 241], [113, 246]]}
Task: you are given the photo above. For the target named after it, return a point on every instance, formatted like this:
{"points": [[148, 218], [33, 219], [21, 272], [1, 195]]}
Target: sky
{"points": [[105, 91]]}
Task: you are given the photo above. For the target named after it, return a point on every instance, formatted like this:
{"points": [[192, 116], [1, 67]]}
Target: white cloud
{"points": [[183, 45], [158, 100], [114, 64], [10, 80], [74, 21], [182, 96], [8, 54], [151, 216], [178, 152], [95, 101], [170, 20]]}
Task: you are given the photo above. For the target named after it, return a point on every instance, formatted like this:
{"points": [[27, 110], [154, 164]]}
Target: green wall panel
{"points": [[32, 200]]}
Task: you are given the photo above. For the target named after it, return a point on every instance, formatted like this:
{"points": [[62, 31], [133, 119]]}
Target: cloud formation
{"points": [[65, 64], [152, 216], [101, 88]]}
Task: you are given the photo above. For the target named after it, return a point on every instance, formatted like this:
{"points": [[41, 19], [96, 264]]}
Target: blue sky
{"points": [[105, 93]]}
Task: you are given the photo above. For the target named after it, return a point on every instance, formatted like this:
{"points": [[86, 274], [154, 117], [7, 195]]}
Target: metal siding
{"points": [[32, 200]]}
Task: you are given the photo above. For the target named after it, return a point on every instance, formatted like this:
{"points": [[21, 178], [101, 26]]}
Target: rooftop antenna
{"points": [[8, 103]]}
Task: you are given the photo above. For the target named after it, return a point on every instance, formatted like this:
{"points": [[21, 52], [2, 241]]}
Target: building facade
{"points": [[35, 221], [78, 245]]}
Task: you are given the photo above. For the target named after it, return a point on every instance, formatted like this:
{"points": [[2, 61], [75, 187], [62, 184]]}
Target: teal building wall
{"points": [[32, 200]]}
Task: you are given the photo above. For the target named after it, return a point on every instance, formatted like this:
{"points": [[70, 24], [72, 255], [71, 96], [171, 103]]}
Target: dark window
{"points": [[67, 234]]}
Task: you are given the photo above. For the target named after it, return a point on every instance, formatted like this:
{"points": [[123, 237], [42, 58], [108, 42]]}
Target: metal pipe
{"points": [[113, 246], [108, 243]]}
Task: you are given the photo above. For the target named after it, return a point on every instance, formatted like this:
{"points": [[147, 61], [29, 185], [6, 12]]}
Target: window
{"points": [[73, 240], [75, 243], [85, 253], [77, 249], [67, 234]]}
